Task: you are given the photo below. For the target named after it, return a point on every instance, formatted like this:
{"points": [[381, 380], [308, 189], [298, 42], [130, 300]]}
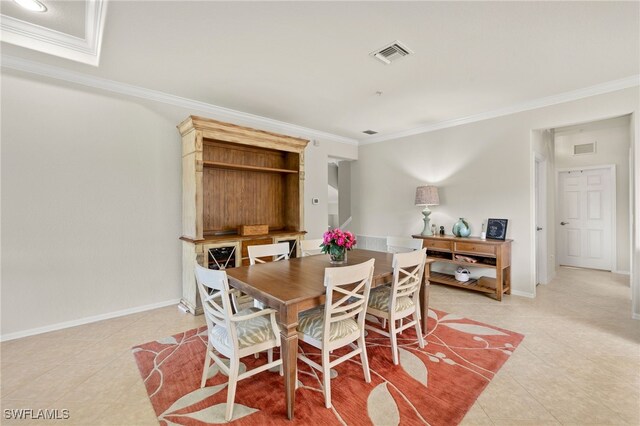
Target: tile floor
{"points": [[578, 364]]}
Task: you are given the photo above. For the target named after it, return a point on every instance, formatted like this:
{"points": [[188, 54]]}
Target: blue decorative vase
{"points": [[461, 228]]}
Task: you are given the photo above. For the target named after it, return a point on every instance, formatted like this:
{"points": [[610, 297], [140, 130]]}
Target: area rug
{"points": [[436, 385]]}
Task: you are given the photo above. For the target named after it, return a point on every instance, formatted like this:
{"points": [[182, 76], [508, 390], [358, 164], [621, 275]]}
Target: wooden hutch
{"points": [[234, 176]]}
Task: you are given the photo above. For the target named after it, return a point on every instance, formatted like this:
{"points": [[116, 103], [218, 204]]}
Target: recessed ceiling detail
{"points": [[57, 43], [32, 5], [391, 52]]}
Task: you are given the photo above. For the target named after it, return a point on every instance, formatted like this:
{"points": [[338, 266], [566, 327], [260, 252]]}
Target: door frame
{"points": [[613, 201], [540, 202]]}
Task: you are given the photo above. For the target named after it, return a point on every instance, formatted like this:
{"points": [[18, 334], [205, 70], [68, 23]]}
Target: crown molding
{"points": [[599, 89], [212, 111], [85, 50]]}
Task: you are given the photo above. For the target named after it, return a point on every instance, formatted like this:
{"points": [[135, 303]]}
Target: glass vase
{"points": [[339, 256]]}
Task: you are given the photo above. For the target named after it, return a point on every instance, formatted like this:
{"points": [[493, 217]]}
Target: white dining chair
{"points": [[401, 299], [402, 244], [278, 251], [311, 247], [340, 322], [234, 336]]}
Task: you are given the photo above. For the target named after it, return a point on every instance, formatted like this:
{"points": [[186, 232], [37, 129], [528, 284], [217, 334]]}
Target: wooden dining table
{"points": [[293, 286]]}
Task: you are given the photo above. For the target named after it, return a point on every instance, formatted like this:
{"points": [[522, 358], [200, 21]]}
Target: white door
{"points": [[585, 219]]}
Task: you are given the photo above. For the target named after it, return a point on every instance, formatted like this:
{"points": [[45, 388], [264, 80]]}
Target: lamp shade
{"points": [[427, 196]]}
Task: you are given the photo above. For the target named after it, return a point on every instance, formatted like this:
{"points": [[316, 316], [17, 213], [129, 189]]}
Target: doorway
{"points": [[586, 206], [589, 186], [339, 193], [541, 219]]}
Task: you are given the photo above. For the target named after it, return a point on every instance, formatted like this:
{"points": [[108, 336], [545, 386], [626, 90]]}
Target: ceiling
{"points": [[308, 63]]}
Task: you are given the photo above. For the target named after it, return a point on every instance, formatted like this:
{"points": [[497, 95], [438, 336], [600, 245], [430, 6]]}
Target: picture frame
{"points": [[497, 229]]}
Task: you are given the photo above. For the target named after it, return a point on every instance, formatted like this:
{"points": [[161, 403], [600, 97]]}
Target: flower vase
{"points": [[461, 228], [339, 257]]}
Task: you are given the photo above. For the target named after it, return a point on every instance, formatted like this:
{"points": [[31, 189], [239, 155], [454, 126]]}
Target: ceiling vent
{"points": [[584, 148], [370, 132], [391, 52]]}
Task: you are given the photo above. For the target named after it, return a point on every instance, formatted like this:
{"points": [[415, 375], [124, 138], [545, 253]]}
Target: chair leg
{"points": [[326, 378], [234, 366], [394, 341], [416, 317], [365, 360], [269, 355], [207, 363], [384, 323]]}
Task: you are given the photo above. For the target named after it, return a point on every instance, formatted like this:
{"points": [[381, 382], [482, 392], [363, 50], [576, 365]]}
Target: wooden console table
{"points": [[491, 254]]}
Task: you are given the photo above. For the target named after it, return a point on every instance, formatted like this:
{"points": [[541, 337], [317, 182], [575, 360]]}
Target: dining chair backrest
{"points": [[402, 244], [278, 251], [311, 247], [216, 296], [408, 269], [347, 294]]}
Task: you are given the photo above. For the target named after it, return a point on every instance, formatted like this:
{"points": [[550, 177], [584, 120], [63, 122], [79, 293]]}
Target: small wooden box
{"points": [[244, 230]]}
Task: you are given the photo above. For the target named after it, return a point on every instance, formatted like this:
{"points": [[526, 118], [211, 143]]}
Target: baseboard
{"points": [[622, 272], [523, 294], [86, 320]]}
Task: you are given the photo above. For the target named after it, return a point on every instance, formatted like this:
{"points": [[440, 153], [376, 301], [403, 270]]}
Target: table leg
{"points": [[424, 299], [289, 342]]}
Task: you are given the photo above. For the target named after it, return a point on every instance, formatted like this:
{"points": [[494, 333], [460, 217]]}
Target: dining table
{"points": [[296, 285]]}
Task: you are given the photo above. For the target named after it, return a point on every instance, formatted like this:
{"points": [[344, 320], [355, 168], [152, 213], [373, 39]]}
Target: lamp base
{"points": [[426, 232]]}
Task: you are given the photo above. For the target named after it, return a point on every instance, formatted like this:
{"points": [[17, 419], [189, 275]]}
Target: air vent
{"points": [[584, 148], [370, 132], [391, 52]]}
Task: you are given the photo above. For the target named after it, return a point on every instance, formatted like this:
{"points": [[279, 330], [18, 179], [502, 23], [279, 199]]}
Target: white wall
{"points": [[483, 169], [91, 202], [612, 147]]}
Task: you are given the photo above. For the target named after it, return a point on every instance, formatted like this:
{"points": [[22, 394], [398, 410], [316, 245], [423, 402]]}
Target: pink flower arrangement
{"points": [[336, 241]]}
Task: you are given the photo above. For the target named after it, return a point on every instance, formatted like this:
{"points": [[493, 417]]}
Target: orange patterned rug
{"points": [[436, 385]]}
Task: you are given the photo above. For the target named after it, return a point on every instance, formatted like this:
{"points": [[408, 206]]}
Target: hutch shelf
{"points": [[233, 176], [471, 252]]}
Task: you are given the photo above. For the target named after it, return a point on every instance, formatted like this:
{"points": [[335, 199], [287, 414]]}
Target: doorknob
{"points": [[564, 223], [538, 228]]}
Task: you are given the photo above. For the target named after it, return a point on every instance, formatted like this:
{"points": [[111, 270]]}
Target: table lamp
{"points": [[427, 196]]}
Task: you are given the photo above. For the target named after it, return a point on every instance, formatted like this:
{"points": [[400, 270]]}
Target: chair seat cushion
{"points": [[250, 332], [380, 296], [311, 323]]}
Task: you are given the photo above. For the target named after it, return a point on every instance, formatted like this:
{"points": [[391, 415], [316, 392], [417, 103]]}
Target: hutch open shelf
{"points": [[233, 176]]}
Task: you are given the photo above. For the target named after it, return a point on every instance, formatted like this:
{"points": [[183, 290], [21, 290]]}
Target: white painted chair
{"points": [[278, 251], [401, 299], [234, 335], [310, 247], [402, 244], [340, 322]]}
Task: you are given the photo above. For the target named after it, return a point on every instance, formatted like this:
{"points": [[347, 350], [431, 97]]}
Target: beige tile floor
{"points": [[578, 364]]}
